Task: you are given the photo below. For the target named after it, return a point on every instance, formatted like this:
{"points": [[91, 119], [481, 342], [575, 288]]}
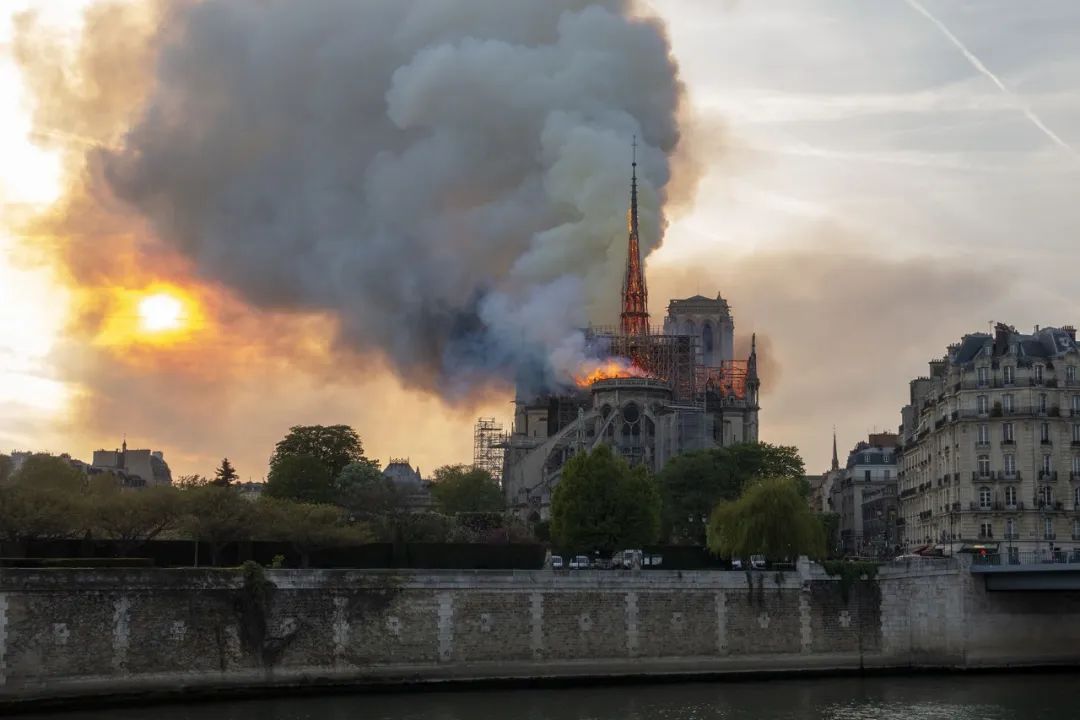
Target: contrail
{"points": [[978, 65]]}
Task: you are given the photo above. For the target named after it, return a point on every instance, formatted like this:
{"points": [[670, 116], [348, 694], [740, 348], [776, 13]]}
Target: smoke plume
{"points": [[449, 178]]}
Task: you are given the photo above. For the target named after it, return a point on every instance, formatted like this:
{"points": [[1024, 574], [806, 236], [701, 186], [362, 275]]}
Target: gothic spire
{"points": [[835, 459], [635, 295]]}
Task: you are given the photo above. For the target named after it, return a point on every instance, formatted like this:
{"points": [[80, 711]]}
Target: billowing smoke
{"points": [[447, 177]]}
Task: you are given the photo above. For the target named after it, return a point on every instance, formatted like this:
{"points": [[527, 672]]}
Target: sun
{"points": [[161, 312]]}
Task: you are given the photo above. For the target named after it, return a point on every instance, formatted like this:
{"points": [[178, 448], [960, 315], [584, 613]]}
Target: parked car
{"points": [[628, 559], [757, 562], [580, 562], [556, 562]]}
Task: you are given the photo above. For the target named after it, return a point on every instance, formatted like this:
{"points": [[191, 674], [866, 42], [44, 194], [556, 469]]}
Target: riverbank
{"points": [[140, 635]]}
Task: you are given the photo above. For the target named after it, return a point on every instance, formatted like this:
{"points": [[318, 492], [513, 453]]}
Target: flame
{"points": [[608, 369]]}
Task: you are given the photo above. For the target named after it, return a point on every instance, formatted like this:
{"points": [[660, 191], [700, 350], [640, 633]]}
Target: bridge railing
{"points": [[1042, 557]]}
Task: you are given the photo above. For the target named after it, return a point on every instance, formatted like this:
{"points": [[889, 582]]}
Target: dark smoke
{"points": [[449, 177]]}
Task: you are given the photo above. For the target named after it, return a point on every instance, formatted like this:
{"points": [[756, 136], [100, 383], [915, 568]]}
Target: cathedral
{"points": [[680, 390]]}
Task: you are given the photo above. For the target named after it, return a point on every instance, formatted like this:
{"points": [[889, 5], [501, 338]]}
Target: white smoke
{"points": [[450, 177]]}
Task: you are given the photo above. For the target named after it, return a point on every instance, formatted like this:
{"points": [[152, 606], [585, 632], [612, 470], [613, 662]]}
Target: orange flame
{"points": [[608, 369]]}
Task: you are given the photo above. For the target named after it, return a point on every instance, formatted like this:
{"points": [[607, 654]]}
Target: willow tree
{"points": [[771, 518]]}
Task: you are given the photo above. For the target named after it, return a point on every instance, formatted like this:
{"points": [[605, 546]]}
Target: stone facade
{"points": [[863, 494], [87, 632], [991, 445]]}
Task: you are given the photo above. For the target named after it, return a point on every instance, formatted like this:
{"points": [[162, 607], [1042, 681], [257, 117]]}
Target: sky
{"points": [[875, 179]]}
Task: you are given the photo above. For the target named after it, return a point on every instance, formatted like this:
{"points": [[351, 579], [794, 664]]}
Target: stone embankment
{"points": [[93, 633]]}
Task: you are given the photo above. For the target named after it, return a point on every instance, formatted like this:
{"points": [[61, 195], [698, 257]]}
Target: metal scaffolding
{"points": [[489, 446], [670, 358]]}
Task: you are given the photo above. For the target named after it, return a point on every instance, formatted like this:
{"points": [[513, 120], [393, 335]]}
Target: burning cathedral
{"points": [[662, 391]]}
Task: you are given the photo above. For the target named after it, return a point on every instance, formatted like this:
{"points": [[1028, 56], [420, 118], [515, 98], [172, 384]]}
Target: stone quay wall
{"points": [[80, 633]]}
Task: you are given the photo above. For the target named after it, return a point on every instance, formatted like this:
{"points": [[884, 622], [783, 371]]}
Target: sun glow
{"points": [[161, 312]]}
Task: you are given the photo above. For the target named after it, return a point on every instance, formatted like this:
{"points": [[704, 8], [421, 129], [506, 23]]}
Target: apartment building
{"points": [[864, 496], [990, 446]]}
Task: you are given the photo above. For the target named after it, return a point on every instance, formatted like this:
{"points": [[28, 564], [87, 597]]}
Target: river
{"points": [[921, 697]]}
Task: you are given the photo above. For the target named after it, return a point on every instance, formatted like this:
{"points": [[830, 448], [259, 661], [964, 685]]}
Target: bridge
{"points": [[1029, 571]]}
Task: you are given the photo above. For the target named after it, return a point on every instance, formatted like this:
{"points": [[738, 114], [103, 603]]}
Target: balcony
{"points": [[1045, 442], [926, 514], [1012, 536], [977, 475], [986, 536], [1049, 536], [1008, 441], [1045, 476]]}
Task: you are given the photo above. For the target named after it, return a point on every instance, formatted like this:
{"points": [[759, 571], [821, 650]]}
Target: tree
{"points": [[692, 484], [217, 516], [302, 478], [772, 519], [364, 490], [308, 526], [33, 513], [133, 518], [225, 475], [42, 471], [602, 504], [191, 481], [5, 468], [335, 446], [465, 489]]}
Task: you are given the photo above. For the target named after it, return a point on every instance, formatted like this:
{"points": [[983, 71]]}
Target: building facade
{"points": [[135, 468], [991, 446], [864, 495]]}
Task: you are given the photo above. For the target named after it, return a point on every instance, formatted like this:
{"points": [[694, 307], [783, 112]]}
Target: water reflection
{"points": [[951, 697]]}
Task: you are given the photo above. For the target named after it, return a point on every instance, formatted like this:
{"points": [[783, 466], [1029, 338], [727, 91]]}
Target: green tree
{"points": [[44, 471], [302, 478], [602, 504], [755, 461], [5, 468], [225, 475], [132, 518], [309, 527], [217, 516], [335, 446], [364, 490], [465, 489], [33, 513], [772, 519], [692, 484]]}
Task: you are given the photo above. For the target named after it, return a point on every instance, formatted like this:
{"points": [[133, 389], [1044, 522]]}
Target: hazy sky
{"points": [[871, 190]]}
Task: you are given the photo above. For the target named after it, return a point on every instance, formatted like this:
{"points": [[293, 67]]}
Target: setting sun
{"points": [[161, 312]]}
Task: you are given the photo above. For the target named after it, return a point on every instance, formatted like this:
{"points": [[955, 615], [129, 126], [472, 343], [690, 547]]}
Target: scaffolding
{"points": [[728, 380], [489, 446], [669, 358]]}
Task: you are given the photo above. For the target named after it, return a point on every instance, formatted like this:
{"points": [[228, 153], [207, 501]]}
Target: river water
{"points": [[921, 697]]}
